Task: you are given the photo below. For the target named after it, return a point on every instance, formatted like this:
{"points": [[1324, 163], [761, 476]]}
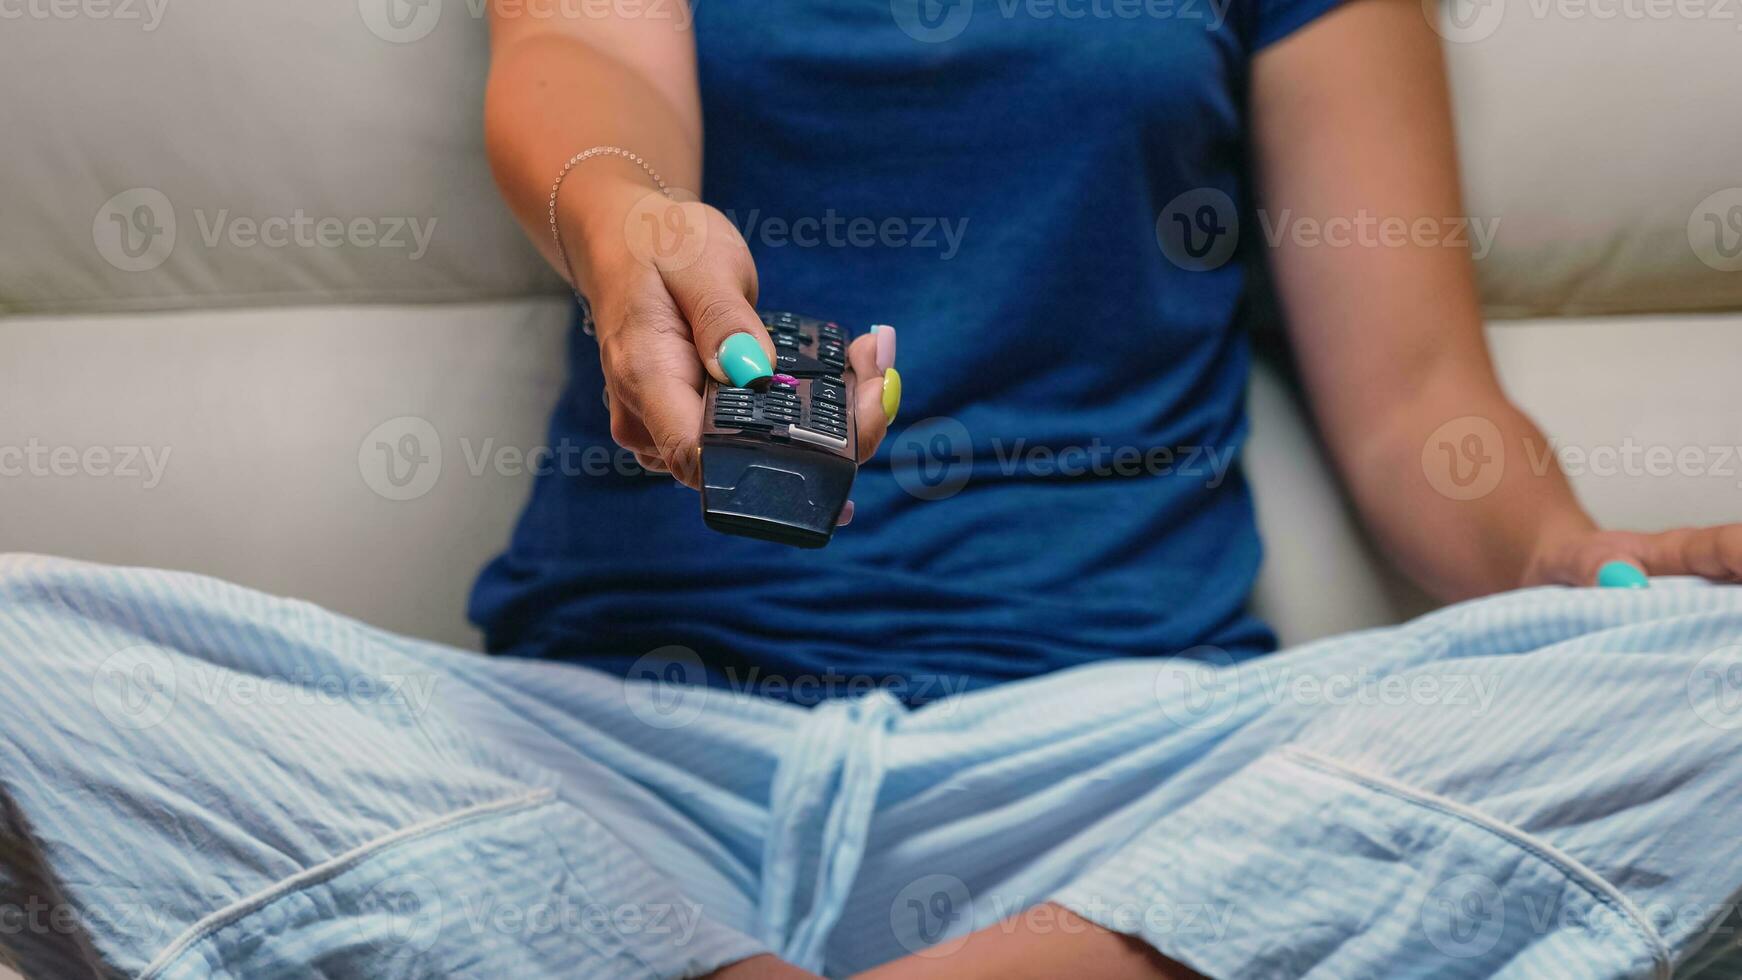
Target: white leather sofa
{"points": [[210, 400]]}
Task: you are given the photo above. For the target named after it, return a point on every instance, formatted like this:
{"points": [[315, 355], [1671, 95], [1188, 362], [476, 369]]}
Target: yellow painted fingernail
{"points": [[891, 393]]}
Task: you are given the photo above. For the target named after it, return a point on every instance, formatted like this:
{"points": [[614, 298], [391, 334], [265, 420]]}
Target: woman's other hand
{"points": [[1624, 558]]}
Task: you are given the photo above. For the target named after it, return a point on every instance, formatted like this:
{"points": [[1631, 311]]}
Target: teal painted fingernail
{"points": [[1621, 575], [743, 360]]}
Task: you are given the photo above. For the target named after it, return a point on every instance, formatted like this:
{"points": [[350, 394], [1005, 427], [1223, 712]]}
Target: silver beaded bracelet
{"points": [[587, 154]]}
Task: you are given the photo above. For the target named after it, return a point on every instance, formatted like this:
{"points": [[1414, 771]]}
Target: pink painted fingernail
{"points": [[785, 379], [885, 335]]}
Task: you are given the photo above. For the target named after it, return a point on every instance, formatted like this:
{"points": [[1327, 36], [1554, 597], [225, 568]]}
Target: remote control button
{"points": [[830, 440], [741, 422]]}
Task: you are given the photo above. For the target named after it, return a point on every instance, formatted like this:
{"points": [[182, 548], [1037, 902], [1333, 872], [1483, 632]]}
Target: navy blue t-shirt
{"points": [[1043, 196]]}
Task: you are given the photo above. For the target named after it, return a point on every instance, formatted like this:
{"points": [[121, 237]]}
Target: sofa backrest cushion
{"points": [[209, 153]]}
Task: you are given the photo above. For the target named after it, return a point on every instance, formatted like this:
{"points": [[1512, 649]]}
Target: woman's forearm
{"points": [[1451, 477], [554, 91], [671, 282], [1462, 489]]}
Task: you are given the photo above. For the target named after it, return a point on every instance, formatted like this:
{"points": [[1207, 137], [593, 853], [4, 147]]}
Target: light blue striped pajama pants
{"points": [[198, 780]]}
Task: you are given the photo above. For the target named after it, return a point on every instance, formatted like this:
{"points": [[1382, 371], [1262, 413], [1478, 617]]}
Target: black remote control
{"points": [[779, 460]]}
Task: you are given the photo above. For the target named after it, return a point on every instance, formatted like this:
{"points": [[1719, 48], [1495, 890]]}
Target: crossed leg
{"points": [[1531, 783]]}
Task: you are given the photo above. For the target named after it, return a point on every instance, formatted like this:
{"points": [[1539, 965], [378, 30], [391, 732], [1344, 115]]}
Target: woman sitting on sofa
{"points": [[1016, 723]]}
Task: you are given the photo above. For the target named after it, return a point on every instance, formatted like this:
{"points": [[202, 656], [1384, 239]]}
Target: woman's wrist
{"points": [[594, 211]]}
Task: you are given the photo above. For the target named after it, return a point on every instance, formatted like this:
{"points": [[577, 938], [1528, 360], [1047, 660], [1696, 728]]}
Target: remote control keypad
{"points": [[806, 412], [802, 355], [808, 404]]}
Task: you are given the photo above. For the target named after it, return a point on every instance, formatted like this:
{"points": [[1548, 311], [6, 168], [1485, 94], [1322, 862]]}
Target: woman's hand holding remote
{"points": [[671, 282], [677, 298]]}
